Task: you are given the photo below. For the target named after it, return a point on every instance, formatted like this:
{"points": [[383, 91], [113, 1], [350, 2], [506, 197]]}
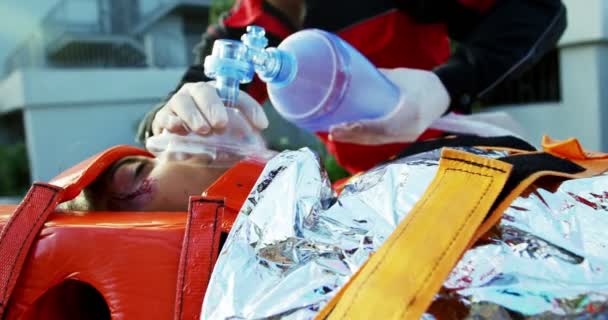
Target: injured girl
{"points": [[296, 242], [139, 183]]}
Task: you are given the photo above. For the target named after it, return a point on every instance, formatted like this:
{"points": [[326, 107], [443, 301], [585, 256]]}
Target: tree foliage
{"points": [[217, 8], [14, 170]]}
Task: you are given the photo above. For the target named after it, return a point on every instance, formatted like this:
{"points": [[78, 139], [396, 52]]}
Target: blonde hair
{"points": [[91, 198]]}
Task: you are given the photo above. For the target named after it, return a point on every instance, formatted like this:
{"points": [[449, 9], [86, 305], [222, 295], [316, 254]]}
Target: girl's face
{"points": [[145, 184]]}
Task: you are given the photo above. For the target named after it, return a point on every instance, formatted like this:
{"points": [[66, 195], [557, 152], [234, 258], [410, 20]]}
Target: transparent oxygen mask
{"points": [[222, 148]]}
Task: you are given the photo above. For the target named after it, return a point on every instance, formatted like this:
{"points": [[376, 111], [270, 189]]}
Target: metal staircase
{"points": [[96, 33], [166, 7]]}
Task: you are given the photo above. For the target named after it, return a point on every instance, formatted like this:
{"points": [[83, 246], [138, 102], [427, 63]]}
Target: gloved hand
{"points": [[196, 107], [423, 100]]}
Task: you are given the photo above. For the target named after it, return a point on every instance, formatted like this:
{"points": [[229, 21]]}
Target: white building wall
{"points": [[147, 6], [60, 136], [584, 80], [80, 12], [165, 43], [66, 121], [70, 114]]}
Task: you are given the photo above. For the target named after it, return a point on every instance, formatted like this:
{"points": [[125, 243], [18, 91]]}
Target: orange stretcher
{"points": [[132, 265], [119, 265]]}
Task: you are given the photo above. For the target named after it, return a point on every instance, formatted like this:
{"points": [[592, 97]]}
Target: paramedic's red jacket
{"points": [[496, 39]]}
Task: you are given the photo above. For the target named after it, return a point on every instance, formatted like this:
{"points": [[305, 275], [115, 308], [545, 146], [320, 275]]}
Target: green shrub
{"points": [[334, 170], [14, 170], [217, 8]]}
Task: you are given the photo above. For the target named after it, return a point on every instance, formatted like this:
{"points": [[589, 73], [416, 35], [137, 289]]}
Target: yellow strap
{"points": [[400, 280]]}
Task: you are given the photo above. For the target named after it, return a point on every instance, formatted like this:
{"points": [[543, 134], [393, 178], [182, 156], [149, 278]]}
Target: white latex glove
{"points": [[196, 107], [423, 100]]}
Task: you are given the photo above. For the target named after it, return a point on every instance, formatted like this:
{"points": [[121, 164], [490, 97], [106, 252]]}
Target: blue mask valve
{"points": [[232, 63]]}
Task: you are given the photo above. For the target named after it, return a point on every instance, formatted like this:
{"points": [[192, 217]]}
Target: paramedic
{"points": [[495, 40]]}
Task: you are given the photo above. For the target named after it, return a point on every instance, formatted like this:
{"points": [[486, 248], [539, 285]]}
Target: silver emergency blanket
{"points": [[295, 243]]}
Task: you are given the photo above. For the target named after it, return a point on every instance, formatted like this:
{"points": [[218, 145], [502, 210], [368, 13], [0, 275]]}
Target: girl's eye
{"points": [[126, 175], [139, 168]]}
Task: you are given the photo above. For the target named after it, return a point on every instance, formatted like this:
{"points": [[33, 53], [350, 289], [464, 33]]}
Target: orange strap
{"points": [[19, 234], [200, 249], [399, 281], [594, 164]]}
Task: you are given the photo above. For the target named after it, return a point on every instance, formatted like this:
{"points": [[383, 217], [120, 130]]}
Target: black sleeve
{"points": [[493, 46]]}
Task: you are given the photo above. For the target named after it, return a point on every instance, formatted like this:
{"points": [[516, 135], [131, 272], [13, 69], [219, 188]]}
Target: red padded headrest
{"points": [[84, 173]]}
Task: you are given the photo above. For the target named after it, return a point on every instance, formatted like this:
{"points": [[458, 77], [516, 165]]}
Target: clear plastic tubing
{"points": [[314, 78]]}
